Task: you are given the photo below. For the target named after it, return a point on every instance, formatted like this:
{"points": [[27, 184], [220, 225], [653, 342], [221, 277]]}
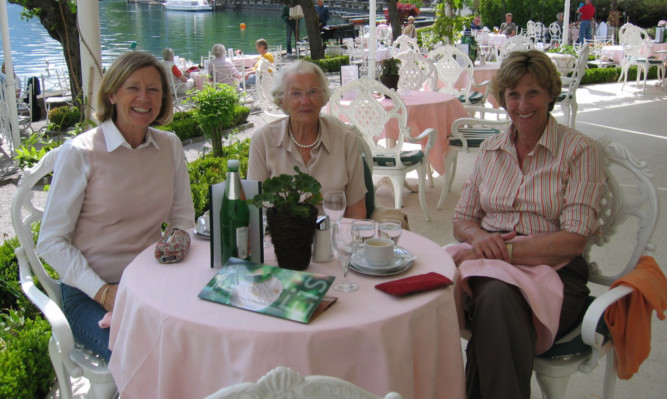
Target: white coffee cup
{"points": [[379, 251]]}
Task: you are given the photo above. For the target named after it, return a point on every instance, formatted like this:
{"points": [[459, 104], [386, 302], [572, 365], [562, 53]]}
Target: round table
{"points": [[168, 343]]}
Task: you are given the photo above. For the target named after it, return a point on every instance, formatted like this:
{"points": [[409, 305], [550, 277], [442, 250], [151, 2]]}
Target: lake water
{"points": [[152, 28]]}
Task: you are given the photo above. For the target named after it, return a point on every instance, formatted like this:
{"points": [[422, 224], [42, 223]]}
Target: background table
{"points": [[430, 110], [565, 63], [168, 343]]}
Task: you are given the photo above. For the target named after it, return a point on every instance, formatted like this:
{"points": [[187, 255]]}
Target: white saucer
{"points": [[402, 261]]}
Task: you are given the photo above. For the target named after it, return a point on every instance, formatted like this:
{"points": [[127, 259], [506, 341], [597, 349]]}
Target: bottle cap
{"points": [[233, 165]]}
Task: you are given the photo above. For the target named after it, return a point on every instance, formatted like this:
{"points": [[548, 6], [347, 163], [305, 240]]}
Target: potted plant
{"points": [[291, 216], [389, 75], [215, 105]]}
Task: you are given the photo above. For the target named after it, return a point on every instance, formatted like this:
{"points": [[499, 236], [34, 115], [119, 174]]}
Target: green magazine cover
{"points": [[284, 293]]}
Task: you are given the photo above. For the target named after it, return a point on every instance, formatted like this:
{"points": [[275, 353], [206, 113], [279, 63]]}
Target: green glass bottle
{"points": [[234, 216]]}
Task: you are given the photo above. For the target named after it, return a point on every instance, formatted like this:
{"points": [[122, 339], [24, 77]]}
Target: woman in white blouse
{"points": [[113, 188]]}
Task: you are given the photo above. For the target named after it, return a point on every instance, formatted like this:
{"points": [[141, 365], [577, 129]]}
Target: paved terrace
{"points": [[627, 116]]}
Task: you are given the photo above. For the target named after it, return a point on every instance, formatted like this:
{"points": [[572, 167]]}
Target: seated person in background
{"points": [[601, 29], [319, 146], [409, 29], [262, 47], [476, 24], [508, 27], [17, 81], [113, 188], [221, 70], [524, 215], [183, 84]]}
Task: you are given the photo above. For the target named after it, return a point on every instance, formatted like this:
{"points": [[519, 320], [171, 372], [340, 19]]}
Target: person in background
{"points": [[113, 188], [586, 13], [601, 29], [476, 24], [559, 19], [320, 146], [508, 27], [185, 84], [225, 71], [262, 47], [17, 81], [409, 28], [524, 218], [290, 27], [322, 13]]}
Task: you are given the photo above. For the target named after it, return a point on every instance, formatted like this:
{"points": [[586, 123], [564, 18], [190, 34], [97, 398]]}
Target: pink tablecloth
{"points": [[430, 110], [614, 53], [167, 343], [248, 60]]}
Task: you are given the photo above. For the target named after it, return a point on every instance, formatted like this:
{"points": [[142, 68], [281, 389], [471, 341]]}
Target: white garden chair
{"points": [[69, 359], [416, 71], [633, 38], [356, 103], [453, 64], [283, 382], [515, 43], [404, 43], [265, 76], [568, 96]]}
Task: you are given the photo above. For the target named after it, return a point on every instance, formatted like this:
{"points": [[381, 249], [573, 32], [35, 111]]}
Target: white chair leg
{"points": [[552, 387], [429, 173], [574, 107], [566, 112], [422, 188], [451, 157], [610, 376], [397, 184], [62, 375]]}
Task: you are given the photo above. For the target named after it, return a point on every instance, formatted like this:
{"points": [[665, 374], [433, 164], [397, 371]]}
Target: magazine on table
{"points": [[288, 294]]}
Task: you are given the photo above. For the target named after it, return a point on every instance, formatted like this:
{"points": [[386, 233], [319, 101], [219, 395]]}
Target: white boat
{"points": [[188, 5]]}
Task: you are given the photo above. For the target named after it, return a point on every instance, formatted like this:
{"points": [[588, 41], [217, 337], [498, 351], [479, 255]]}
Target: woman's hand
{"points": [[106, 296], [491, 245]]}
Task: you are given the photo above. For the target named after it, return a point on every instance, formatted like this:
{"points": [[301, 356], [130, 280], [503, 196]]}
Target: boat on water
{"points": [[188, 5]]}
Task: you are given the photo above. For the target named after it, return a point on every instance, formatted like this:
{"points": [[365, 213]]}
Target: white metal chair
{"points": [[283, 382], [452, 64], [415, 71], [177, 88], [469, 133], [404, 43], [68, 358], [554, 34], [367, 114], [625, 205], [515, 43], [265, 75], [568, 97], [59, 85], [633, 38], [25, 112]]}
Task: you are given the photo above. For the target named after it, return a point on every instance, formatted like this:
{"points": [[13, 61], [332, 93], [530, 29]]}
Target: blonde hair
{"points": [[117, 74], [519, 63], [263, 43]]}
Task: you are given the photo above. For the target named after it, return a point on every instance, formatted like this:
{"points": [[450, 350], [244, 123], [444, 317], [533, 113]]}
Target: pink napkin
{"points": [[413, 284]]}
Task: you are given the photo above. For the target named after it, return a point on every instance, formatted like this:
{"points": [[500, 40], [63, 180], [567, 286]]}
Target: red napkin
{"points": [[412, 284]]}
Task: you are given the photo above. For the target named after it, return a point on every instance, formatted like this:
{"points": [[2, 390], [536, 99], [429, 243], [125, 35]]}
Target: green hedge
{"points": [[62, 118], [330, 63], [186, 127], [595, 75], [212, 170], [25, 365]]}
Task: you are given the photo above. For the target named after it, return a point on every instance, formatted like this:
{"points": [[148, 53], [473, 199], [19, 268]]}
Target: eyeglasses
{"points": [[312, 93]]}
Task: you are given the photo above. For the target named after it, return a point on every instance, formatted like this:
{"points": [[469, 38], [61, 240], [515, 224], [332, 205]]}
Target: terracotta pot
{"points": [[292, 238]]}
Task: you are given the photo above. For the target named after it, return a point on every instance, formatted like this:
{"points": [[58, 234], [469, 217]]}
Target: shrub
{"points": [[10, 290], [212, 170], [62, 118], [330, 63], [24, 357], [185, 126], [610, 75], [215, 112]]}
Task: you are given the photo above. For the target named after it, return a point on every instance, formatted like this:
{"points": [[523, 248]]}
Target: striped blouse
{"points": [[558, 189]]}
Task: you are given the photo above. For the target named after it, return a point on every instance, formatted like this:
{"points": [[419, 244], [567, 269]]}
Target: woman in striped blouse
{"points": [[524, 216]]}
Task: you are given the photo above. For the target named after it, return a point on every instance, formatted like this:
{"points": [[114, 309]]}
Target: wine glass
{"points": [[334, 205], [345, 244], [363, 229], [390, 229]]}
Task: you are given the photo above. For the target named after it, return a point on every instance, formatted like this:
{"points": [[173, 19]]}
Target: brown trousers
{"points": [[501, 351]]}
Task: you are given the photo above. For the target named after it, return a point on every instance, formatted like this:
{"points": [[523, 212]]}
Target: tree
{"points": [[59, 19]]}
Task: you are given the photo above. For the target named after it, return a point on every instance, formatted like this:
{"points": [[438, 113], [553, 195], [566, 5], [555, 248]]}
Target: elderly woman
{"points": [[221, 70], [113, 188], [182, 83], [319, 146], [525, 215]]}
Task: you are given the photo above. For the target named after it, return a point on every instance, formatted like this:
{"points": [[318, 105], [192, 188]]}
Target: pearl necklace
{"points": [[313, 144]]}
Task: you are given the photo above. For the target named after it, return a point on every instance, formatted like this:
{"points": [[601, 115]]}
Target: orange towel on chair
{"points": [[629, 319]]}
